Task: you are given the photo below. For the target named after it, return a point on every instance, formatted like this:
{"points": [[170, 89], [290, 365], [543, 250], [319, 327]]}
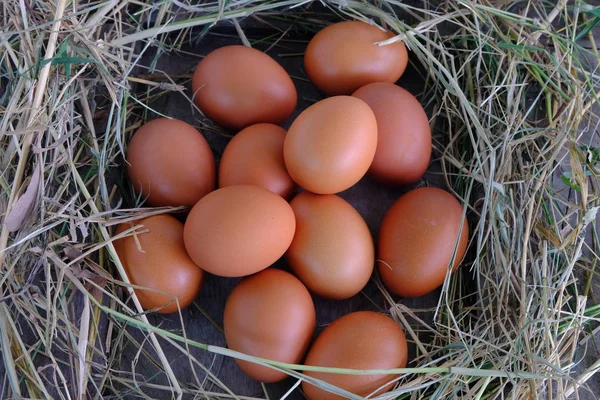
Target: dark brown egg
{"points": [[403, 133], [156, 259], [331, 145], [255, 157], [360, 340], [238, 86], [345, 56], [170, 163], [332, 252], [417, 240], [239, 230], [269, 315]]}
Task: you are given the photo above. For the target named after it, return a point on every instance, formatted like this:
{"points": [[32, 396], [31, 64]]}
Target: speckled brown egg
{"points": [[269, 315], [170, 163], [332, 252], [157, 260], [417, 240], [255, 157], [404, 136], [360, 340], [237, 86], [239, 230], [345, 56], [331, 144]]}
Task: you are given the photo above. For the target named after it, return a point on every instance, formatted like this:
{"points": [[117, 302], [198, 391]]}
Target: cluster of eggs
{"points": [[367, 125]]}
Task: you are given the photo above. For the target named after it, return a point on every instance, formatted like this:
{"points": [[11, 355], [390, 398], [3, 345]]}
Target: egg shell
{"points": [[417, 239], [239, 230], [404, 135], [332, 252], [331, 144], [160, 263], [359, 340], [255, 157], [269, 315], [238, 86], [170, 163], [345, 56]]}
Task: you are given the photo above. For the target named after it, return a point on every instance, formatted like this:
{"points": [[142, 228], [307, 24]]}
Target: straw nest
{"points": [[510, 95]]}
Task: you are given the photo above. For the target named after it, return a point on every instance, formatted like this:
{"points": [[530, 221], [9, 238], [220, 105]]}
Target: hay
{"points": [[511, 95]]}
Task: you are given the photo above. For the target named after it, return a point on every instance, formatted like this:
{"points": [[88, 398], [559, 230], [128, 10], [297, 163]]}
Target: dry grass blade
{"points": [[24, 205], [515, 114]]}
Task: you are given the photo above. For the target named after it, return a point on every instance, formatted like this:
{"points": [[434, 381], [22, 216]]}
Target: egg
{"points": [[239, 230], [170, 163], [237, 86], [155, 258], [345, 56], [332, 252], [359, 340], [417, 239], [404, 136], [261, 147], [269, 315], [331, 144]]}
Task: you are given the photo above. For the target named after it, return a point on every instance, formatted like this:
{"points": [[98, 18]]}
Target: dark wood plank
{"points": [[369, 198]]}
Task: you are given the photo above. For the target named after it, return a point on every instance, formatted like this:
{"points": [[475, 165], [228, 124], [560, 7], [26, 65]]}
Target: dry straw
{"points": [[513, 99]]}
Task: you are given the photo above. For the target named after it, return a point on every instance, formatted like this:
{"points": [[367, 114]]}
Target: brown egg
{"points": [[239, 230], [269, 315], [237, 86], [417, 240], [404, 135], [170, 163], [345, 56], [360, 340], [331, 145], [160, 262], [255, 157], [332, 252]]}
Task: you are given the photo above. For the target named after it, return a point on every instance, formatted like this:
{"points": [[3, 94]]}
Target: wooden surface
{"points": [[369, 198]]}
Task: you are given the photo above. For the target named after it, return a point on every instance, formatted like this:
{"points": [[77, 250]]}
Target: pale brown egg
{"points": [[360, 340], [331, 144], [170, 163], [404, 136], [345, 56], [255, 157], [269, 315], [156, 259], [417, 239], [239, 230], [332, 252], [237, 86]]}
